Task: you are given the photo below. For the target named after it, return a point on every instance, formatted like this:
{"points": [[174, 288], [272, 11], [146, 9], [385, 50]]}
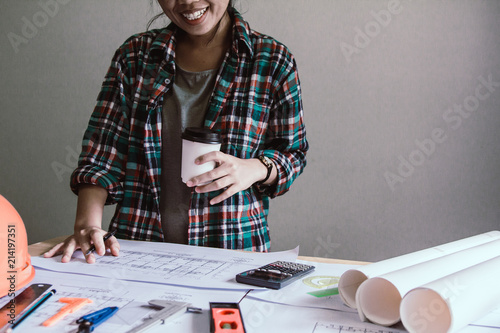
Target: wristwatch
{"points": [[268, 164]]}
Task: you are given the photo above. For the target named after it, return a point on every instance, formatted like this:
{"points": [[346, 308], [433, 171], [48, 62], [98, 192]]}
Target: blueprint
{"points": [[169, 264]]}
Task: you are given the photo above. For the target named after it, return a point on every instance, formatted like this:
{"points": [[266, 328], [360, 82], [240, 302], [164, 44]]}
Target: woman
{"points": [[206, 69]]}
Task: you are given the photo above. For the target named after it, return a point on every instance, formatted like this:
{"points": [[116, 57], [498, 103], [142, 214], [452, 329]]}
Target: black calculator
{"points": [[274, 275]]}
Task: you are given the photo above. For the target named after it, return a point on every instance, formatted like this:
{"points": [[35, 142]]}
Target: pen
{"points": [[32, 309], [105, 238]]}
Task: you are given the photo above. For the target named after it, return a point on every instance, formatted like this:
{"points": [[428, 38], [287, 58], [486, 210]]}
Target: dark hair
{"points": [[157, 16]]}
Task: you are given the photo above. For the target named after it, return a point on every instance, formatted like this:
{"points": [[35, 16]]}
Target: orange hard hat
{"points": [[15, 262]]}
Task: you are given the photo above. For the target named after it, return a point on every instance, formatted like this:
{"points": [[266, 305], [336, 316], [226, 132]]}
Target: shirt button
{"points": [[167, 81]]}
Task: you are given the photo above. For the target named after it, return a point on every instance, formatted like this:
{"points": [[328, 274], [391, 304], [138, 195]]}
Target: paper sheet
{"points": [[169, 264], [379, 298], [492, 319], [479, 329], [452, 302], [262, 317], [131, 298], [352, 279], [318, 289]]}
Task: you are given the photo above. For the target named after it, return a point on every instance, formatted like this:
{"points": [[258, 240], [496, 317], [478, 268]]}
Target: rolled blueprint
{"points": [[452, 302], [352, 279], [379, 298]]}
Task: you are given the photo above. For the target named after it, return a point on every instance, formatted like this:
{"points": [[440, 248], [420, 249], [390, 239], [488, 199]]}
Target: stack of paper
{"points": [[440, 289]]}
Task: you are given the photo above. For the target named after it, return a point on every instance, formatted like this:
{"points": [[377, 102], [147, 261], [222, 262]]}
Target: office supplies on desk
{"points": [[310, 313], [29, 311], [352, 279], [11, 312], [458, 278], [89, 322], [105, 238], [131, 297], [226, 318], [274, 275], [73, 305], [168, 263], [325, 276]]}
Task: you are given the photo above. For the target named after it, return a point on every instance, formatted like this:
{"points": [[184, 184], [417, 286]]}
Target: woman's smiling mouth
{"points": [[195, 15]]}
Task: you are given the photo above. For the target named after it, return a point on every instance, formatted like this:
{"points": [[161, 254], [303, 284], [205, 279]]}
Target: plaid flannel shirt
{"points": [[256, 105]]}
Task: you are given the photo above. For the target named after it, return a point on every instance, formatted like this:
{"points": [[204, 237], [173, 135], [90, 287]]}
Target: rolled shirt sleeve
{"points": [[286, 142], [104, 147]]}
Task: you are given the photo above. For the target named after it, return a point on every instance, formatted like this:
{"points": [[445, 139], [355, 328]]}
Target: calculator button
{"points": [[275, 271]]}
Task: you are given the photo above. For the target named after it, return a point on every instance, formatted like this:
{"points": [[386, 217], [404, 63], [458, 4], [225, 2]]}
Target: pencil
{"points": [[31, 310], [105, 238]]}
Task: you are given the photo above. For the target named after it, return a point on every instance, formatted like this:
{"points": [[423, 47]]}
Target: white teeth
{"points": [[195, 15]]}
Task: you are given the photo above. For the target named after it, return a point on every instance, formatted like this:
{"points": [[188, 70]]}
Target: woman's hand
{"points": [[87, 230], [232, 173], [83, 239]]}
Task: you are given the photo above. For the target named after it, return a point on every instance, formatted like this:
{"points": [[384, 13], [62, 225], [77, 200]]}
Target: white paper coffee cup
{"points": [[196, 142]]}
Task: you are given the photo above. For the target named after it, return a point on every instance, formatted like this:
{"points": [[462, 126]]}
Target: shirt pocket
{"points": [[243, 127]]}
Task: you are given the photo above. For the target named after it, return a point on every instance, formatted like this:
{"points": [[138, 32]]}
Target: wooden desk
{"points": [[41, 247]]}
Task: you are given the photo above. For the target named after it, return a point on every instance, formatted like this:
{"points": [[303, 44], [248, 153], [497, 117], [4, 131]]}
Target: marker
{"points": [[105, 238], [32, 309]]}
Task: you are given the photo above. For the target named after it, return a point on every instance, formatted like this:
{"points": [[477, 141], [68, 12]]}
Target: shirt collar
{"points": [[164, 41], [241, 33]]}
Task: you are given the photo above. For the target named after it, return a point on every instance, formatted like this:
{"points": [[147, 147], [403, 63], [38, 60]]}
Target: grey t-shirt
{"points": [[185, 105]]}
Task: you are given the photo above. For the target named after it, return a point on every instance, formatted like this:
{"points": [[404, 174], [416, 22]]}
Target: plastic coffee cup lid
{"points": [[203, 135]]}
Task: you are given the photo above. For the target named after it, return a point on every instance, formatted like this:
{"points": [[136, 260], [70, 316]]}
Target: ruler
{"points": [[169, 310]]}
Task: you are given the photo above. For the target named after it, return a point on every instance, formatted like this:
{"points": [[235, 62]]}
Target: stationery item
{"points": [[226, 318], [94, 319], [311, 290], [32, 309], [352, 279], [379, 298], [105, 238], [11, 312], [274, 275], [73, 305], [169, 310]]}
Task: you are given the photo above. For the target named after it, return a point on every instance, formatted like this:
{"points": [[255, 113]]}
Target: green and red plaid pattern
{"points": [[256, 105]]}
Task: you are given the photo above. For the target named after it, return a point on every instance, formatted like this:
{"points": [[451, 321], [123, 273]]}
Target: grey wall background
{"points": [[402, 105]]}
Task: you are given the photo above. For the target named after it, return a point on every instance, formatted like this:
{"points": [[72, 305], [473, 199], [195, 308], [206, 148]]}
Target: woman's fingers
{"points": [[84, 241], [54, 251]]}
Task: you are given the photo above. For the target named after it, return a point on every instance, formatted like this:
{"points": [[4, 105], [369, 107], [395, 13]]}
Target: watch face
{"points": [[266, 161]]}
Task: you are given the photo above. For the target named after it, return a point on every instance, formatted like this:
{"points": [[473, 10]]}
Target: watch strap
{"points": [[268, 164]]}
